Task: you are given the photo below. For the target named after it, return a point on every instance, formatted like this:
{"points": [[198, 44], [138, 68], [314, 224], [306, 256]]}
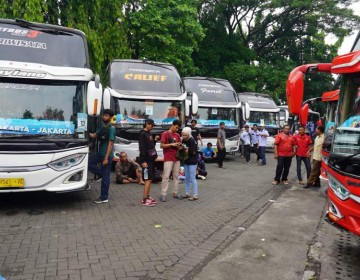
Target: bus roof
{"points": [[330, 96], [212, 91], [258, 100], [40, 43]]}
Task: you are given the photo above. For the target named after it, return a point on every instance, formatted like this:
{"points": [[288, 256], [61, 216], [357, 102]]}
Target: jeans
{"points": [[262, 154], [190, 177], [282, 168], [306, 161], [247, 150], [104, 171]]}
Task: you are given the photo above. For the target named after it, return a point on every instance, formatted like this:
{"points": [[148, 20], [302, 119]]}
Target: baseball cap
{"points": [[150, 121]]}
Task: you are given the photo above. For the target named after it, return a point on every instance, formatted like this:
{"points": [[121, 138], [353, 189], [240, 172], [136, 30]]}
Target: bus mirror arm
{"points": [[97, 80]]}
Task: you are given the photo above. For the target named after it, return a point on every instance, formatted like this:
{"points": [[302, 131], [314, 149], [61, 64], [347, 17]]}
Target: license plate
{"points": [[12, 182]]}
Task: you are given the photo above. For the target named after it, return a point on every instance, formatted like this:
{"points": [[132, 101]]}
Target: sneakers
{"points": [[163, 198], [285, 182], [301, 182], [99, 201], [152, 200], [177, 196], [192, 198], [202, 177], [275, 182], [147, 203], [97, 178]]}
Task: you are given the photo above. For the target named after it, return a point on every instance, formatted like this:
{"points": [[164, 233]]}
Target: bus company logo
{"points": [[19, 73], [21, 32], [145, 77]]}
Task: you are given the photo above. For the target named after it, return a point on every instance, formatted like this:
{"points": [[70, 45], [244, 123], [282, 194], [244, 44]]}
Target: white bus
{"points": [[141, 89], [218, 102], [47, 91], [259, 108]]}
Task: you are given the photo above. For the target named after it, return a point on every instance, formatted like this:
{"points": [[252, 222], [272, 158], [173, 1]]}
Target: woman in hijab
{"points": [[190, 164]]}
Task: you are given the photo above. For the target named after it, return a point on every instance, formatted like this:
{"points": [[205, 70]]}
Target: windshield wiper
{"points": [[156, 64], [43, 29], [347, 157]]}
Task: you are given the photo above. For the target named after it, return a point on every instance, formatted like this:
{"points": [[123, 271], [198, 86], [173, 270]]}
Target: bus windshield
{"points": [[267, 118], [346, 143], [130, 112], [212, 116], [42, 45], [42, 108]]}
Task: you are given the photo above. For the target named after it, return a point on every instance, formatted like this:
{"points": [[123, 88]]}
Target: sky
{"points": [[348, 41]]}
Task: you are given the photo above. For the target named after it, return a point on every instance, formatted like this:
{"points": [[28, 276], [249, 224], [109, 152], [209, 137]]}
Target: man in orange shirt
{"points": [[303, 143], [284, 152]]}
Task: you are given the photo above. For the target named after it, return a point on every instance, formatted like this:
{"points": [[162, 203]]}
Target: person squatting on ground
{"points": [[246, 140], [208, 153], [128, 171], [255, 134], [106, 135], [284, 152], [190, 164], [302, 142], [171, 143], [147, 159], [201, 172], [220, 143], [314, 179], [263, 135]]}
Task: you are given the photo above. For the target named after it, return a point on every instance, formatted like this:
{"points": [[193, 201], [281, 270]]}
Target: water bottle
{"points": [[146, 174]]}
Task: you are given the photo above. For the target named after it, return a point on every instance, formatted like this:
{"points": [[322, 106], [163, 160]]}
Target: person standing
{"points": [[314, 179], [255, 141], [302, 142], [263, 135], [190, 164], [245, 136], [171, 143], [147, 159], [106, 135], [220, 143], [195, 133], [284, 152]]}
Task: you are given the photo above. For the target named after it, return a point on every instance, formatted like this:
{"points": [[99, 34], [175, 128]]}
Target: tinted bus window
{"points": [[145, 77], [42, 45], [212, 90]]}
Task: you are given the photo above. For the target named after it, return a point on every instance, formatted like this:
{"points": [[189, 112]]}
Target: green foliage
{"points": [[166, 31]]}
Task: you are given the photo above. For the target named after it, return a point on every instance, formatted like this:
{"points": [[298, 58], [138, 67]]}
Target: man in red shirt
{"points": [[302, 142], [170, 143], [284, 152]]}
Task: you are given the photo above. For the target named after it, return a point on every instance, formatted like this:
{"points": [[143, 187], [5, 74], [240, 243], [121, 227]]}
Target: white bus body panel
{"points": [[38, 176]]}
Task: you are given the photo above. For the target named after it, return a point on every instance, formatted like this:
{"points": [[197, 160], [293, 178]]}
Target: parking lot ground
{"points": [[67, 236]]}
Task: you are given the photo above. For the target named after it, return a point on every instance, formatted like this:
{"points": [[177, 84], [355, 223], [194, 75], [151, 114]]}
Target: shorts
{"points": [[151, 171]]}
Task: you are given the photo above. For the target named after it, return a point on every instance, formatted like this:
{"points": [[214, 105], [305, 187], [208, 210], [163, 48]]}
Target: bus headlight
{"points": [[66, 162], [338, 188]]}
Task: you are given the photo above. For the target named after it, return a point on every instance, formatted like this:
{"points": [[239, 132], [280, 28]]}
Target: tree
{"points": [[164, 30]]}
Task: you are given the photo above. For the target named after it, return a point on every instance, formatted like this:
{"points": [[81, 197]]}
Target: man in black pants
{"points": [[221, 137], [147, 160]]}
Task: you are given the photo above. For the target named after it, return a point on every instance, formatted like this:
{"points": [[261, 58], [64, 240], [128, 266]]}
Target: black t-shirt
{"points": [[190, 143], [146, 144], [195, 131]]}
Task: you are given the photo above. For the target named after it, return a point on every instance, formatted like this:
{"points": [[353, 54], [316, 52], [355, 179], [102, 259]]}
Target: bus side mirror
{"points": [[187, 107], [94, 98], [194, 104], [247, 111], [287, 115], [304, 114], [107, 98]]}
